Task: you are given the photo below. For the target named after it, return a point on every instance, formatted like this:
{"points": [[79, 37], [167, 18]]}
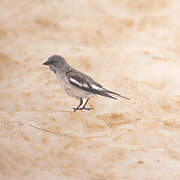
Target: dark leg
{"points": [[77, 108], [84, 107]]}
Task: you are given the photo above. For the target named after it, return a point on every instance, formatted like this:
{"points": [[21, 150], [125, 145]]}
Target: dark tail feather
{"points": [[107, 91], [103, 93]]}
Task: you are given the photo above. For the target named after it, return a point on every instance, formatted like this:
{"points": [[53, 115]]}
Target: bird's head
{"points": [[55, 63]]}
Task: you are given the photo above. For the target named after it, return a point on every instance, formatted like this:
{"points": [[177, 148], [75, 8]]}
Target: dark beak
{"points": [[46, 63]]}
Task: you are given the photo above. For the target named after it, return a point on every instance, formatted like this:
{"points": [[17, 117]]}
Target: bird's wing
{"points": [[78, 79], [86, 83]]}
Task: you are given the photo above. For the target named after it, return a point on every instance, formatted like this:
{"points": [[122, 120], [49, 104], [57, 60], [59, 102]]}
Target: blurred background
{"points": [[130, 47]]}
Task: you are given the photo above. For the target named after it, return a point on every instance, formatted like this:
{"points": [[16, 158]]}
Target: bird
{"points": [[77, 84]]}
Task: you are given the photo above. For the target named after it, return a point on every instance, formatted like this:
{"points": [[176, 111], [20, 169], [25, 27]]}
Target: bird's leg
{"points": [[84, 107], [77, 108]]}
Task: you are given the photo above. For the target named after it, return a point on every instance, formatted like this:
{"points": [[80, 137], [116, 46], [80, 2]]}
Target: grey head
{"points": [[56, 63]]}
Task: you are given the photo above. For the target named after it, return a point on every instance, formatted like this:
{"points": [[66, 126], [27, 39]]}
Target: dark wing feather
{"points": [[85, 82], [111, 92]]}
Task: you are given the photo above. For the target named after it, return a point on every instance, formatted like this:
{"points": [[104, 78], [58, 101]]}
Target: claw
{"points": [[88, 109], [75, 109]]}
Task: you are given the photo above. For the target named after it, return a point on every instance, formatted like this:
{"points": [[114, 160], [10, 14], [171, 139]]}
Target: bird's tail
{"points": [[115, 95], [104, 92]]}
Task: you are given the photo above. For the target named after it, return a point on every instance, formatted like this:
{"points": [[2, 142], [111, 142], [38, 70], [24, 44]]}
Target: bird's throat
{"points": [[52, 69]]}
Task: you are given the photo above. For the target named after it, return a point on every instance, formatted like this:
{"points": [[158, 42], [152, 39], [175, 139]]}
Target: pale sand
{"points": [[131, 47]]}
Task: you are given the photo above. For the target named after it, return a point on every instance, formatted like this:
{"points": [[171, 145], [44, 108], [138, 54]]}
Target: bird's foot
{"points": [[76, 109], [88, 109]]}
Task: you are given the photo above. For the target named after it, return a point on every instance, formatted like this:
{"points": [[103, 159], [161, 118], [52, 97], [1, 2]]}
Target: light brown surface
{"points": [[131, 47]]}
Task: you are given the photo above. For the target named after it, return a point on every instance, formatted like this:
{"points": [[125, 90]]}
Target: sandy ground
{"points": [[131, 47]]}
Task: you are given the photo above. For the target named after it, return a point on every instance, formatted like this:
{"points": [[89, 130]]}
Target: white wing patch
{"points": [[96, 87], [76, 82], [84, 85]]}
